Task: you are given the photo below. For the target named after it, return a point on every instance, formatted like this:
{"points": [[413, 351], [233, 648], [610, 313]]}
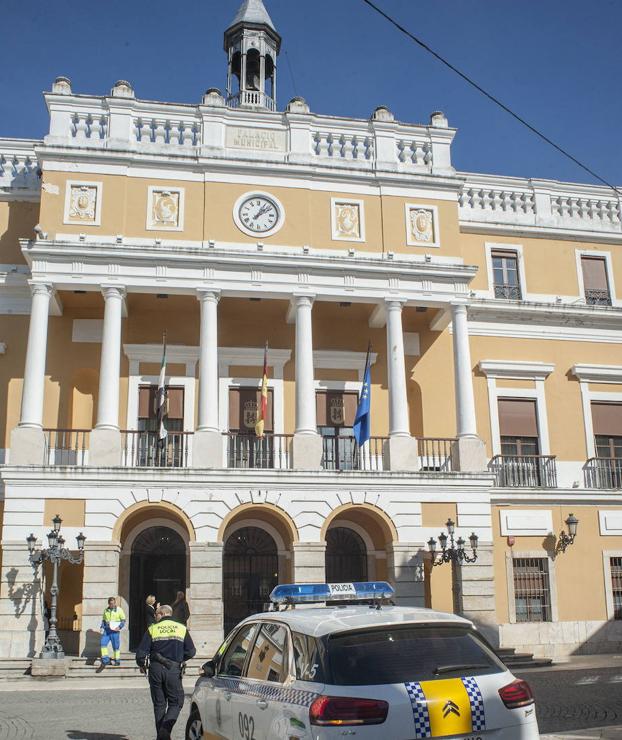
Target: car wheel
{"points": [[194, 726]]}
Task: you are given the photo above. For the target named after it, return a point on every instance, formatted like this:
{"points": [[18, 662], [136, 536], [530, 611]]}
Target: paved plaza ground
{"points": [[579, 701]]}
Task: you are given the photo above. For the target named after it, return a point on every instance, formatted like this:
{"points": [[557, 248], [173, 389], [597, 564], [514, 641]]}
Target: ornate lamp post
{"points": [[55, 552], [565, 540], [455, 552]]}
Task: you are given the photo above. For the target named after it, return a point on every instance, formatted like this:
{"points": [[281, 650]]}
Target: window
{"points": [[532, 595], [335, 417], [518, 427], [307, 658], [595, 283], [147, 451], [233, 662], [616, 586], [391, 655], [607, 423], [269, 659], [246, 450], [505, 275]]}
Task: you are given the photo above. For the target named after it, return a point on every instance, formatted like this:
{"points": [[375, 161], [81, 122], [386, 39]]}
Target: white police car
{"points": [[362, 671]]}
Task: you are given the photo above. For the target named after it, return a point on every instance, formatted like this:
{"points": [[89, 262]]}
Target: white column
{"points": [[110, 366], [34, 373], [306, 421], [399, 425], [208, 361], [466, 425]]}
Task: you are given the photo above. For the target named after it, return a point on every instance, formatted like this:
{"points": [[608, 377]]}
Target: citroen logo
{"points": [[450, 708]]}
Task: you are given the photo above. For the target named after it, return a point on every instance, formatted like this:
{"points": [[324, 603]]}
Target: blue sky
{"points": [[557, 62]]}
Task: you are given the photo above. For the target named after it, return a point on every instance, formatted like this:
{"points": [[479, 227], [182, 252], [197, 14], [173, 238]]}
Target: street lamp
{"points": [[55, 553], [455, 553], [565, 540]]}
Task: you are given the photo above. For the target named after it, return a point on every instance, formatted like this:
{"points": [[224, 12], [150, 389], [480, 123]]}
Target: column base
{"points": [[309, 562], [105, 448], [401, 453], [27, 446], [48, 667], [468, 455], [306, 452], [207, 449]]}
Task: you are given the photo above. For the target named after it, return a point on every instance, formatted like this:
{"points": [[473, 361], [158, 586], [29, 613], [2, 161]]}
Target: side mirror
{"points": [[208, 670]]}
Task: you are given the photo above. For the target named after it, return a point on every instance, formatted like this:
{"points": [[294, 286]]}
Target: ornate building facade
{"points": [[496, 378]]}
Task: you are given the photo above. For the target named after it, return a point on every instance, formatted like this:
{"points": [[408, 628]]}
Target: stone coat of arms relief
{"points": [[83, 203], [348, 220], [165, 209], [422, 225]]}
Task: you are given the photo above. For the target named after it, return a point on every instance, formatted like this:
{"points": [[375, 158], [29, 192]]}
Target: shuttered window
{"points": [[616, 586], [147, 412], [518, 426], [244, 404], [595, 283], [336, 408], [607, 423], [505, 275], [532, 593]]}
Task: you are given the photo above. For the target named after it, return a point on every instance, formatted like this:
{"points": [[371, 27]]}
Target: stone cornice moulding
{"points": [[551, 314], [175, 353], [516, 370], [342, 360], [253, 357], [597, 373]]}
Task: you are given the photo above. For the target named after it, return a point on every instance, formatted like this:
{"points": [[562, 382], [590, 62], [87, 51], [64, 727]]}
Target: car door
{"points": [[267, 668], [218, 717]]}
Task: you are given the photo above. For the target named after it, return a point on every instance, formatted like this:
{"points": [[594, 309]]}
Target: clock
{"points": [[258, 214]]}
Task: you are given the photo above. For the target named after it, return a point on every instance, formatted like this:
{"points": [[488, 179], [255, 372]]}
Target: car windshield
{"points": [[390, 655]]}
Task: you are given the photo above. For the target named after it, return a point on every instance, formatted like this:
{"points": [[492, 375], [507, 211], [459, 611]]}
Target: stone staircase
{"points": [[514, 660]]}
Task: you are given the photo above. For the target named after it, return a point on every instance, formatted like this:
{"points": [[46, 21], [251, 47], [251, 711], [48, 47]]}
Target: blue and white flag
{"points": [[362, 421], [160, 400]]}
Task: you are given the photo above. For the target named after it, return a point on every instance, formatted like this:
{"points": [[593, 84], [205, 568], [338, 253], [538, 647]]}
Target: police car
{"points": [[360, 671]]}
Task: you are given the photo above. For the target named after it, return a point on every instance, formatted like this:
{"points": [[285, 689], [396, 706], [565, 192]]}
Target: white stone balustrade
{"points": [[19, 168], [348, 146], [542, 204]]}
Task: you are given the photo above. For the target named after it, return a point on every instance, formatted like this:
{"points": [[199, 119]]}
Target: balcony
{"points": [[524, 471], [66, 446], [597, 297], [508, 292], [604, 473], [142, 449], [248, 451]]}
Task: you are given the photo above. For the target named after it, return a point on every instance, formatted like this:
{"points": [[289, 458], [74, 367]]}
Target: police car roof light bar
{"points": [[312, 593]]}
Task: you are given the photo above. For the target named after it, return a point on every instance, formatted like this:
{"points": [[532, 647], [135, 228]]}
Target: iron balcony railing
{"points": [[343, 453], [603, 473], [141, 449], [597, 297], [435, 453], [509, 292], [66, 446], [249, 451], [524, 471]]}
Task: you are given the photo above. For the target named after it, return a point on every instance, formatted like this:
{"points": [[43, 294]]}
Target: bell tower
{"points": [[252, 45]]}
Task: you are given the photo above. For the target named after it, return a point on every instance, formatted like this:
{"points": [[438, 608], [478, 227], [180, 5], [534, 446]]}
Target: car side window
{"points": [[269, 659], [233, 661], [307, 658]]}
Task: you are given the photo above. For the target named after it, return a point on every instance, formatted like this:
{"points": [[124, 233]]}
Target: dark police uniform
{"points": [[167, 644]]}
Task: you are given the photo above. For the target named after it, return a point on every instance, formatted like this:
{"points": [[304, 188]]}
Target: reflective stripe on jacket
{"points": [[171, 639], [113, 615]]}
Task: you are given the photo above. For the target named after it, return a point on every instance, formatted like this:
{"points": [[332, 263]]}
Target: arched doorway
{"points": [[346, 556], [157, 566], [250, 572]]}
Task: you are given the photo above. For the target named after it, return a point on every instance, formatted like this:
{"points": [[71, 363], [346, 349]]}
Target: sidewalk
{"points": [[578, 663], [595, 733]]}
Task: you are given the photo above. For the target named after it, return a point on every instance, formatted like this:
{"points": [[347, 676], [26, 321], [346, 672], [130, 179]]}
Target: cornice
{"points": [[597, 373], [517, 370]]}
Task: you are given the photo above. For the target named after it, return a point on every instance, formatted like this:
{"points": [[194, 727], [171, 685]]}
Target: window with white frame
{"points": [[518, 426], [595, 281], [615, 567], [532, 589], [505, 274]]}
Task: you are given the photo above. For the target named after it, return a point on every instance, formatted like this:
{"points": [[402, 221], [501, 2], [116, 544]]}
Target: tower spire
{"points": [[252, 44]]}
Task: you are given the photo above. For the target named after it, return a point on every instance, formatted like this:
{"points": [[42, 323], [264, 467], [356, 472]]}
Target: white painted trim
{"points": [[520, 259], [334, 202], [537, 394], [607, 555], [607, 517], [544, 331], [149, 224], [509, 567], [516, 370], [542, 522], [598, 373], [98, 202], [258, 194], [408, 207], [134, 383], [595, 374], [330, 359], [252, 357], [608, 268]]}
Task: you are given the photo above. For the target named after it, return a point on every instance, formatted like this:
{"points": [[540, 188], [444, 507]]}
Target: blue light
{"points": [[310, 593]]}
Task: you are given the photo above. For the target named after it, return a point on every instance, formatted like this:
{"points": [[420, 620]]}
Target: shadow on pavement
{"points": [[78, 735]]}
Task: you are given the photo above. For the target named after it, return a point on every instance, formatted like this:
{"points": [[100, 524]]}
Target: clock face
{"points": [[258, 214]]}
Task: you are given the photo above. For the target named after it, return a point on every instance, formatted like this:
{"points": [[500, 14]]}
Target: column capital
{"points": [[208, 295], [304, 299], [459, 308], [394, 303], [37, 288], [113, 291]]}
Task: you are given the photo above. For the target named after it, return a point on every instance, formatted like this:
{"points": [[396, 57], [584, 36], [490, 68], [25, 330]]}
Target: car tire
{"points": [[194, 726]]}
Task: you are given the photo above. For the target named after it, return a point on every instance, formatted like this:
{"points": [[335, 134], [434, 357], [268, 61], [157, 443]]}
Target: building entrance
{"points": [[346, 556], [250, 572], [158, 567]]}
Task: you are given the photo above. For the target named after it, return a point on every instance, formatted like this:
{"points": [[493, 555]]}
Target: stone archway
{"points": [[346, 556]]}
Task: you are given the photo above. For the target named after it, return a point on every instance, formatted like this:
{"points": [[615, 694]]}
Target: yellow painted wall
{"points": [[17, 220], [439, 579], [579, 571]]}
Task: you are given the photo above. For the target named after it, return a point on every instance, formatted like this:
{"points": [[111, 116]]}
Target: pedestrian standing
{"points": [[150, 610], [181, 610], [165, 647], [113, 621]]}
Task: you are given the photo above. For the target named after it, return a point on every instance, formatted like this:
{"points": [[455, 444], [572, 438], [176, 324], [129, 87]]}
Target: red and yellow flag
{"points": [[262, 411]]}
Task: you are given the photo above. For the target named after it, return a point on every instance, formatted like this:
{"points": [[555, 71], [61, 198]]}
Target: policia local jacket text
{"points": [[168, 638]]}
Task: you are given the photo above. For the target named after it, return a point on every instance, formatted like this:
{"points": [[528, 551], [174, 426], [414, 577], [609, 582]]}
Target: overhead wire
{"points": [[491, 97]]}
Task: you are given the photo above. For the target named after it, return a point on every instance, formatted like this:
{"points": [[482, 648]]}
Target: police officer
{"points": [[165, 647]]}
